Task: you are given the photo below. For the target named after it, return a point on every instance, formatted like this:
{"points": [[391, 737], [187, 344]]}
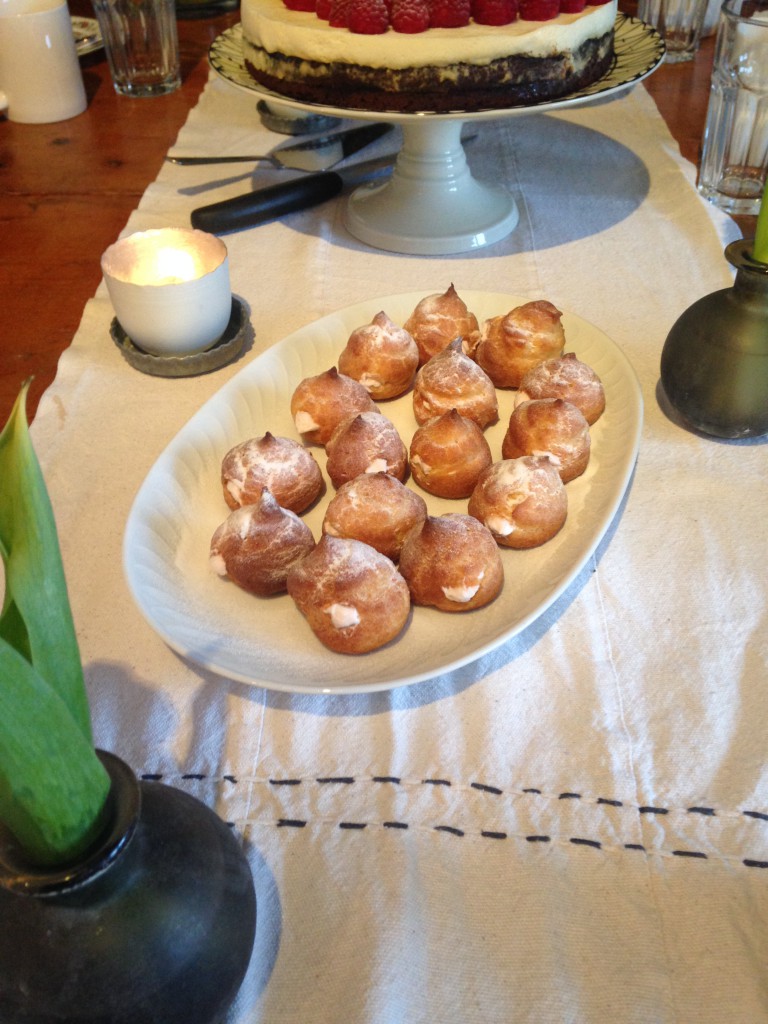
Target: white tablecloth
{"points": [[573, 828]]}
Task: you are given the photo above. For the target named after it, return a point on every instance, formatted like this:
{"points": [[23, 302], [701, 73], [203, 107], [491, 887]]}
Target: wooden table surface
{"points": [[67, 190]]}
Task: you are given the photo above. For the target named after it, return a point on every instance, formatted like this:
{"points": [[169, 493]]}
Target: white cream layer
{"points": [[271, 26]]}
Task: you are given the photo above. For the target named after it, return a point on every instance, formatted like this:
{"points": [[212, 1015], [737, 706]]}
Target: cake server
{"points": [[315, 154], [274, 201]]}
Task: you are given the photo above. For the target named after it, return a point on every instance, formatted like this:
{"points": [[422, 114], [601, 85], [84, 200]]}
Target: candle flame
{"points": [[173, 266]]}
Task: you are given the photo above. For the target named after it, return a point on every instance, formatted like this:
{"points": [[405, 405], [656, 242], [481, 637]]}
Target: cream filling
{"points": [[460, 595], [304, 422], [270, 25], [500, 526], [343, 615], [218, 565]]}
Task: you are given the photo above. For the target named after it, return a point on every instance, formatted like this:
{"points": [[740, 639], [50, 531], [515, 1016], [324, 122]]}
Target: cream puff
{"points": [[365, 443], [377, 509], [319, 404], [352, 596], [438, 320], [452, 563], [447, 455], [568, 378], [509, 345], [288, 469], [258, 544], [553, 428], [523, 502], [451, 380], [382, 357]]}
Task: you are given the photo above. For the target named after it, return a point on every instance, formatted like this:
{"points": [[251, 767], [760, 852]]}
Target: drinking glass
{"points": [[735, 149], [142, 45], [678, 22]]}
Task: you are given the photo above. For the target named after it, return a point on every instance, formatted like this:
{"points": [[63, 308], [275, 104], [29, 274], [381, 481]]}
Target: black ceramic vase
{"points": [[714, 364], [154, 925]]}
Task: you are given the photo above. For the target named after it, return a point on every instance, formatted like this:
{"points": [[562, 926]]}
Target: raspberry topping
{"points": [[368, 17], [495, 12], [449, 13], [410, 15], [373, 17], [539, 10]]}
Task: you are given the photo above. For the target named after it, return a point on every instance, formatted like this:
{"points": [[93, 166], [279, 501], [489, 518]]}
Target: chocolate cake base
{"points": [[507, 82]]}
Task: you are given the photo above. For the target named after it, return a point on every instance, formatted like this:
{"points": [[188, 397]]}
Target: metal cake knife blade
{"points": [[271, 203], [317, 154]]}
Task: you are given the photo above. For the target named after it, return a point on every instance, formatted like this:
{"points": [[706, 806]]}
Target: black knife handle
{"points": [[267, 204]]}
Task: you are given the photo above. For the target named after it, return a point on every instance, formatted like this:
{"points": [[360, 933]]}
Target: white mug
{"points": [[40, 76]]}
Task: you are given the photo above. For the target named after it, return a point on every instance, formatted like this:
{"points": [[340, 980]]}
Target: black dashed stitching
{"points": [[704, 811], [710, 812], [578, 841], [359, 826]]}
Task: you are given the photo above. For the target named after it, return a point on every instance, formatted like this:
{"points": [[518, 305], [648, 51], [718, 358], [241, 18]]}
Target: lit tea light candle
{"points": [[170, 289]]}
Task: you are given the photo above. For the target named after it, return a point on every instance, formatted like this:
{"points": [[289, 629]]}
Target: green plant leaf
{"points": [[36, 617], [52, 784]]}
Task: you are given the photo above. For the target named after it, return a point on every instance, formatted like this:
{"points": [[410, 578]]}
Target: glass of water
{"points": [[735, 148]]}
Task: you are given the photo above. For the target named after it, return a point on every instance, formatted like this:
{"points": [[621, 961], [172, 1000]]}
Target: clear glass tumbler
{"points": [[142, 45], [678, 22], [734, 155]]}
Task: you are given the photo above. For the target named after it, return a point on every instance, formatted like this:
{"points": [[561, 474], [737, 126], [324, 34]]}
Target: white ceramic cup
{"points": [[40, 77], [170, 289]]}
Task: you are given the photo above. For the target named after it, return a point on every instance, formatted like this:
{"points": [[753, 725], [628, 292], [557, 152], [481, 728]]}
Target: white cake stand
{"points": [[432, 205]]}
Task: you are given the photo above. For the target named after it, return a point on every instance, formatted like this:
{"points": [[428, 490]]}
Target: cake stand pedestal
{"points": [[431, 205]]}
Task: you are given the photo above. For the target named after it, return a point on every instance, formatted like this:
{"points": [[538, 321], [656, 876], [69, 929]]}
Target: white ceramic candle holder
{"points": [[170, 289]]}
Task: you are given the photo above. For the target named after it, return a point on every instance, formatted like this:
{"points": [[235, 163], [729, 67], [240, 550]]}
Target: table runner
{"points": [[575, 826]]}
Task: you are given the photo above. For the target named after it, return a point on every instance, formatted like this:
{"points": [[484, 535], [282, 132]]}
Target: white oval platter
{"points": [[266, 642]]}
